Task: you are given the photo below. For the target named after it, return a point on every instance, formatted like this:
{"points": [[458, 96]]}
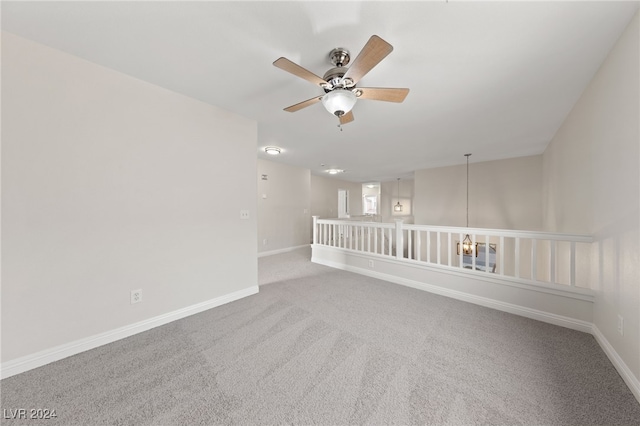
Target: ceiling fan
{"points": [[339, 83]]}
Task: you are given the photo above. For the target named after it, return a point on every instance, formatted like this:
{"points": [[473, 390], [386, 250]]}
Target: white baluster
{"points": [[399, 239], [534, 259], [487, 253], [517, 260], [461, 252], [375, 240], [573, 263], [474, 251], [315, 230], [552, 262], [501, 248]]}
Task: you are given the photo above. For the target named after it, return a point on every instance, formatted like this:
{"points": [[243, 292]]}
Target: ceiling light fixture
{"points": [[334, 171], [467, 244], [339, 101], [272, 150], [398, 206]]}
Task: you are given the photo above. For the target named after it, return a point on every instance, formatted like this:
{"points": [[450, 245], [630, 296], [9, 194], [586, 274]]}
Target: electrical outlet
{"points": [[371, 264], [136, 296], [244, 214], [621, 325]]}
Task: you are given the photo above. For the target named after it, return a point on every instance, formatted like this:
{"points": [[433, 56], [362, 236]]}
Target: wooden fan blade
{"points": [[371, 54], [346, 118], [297, 70], [383, 94], [303, 104]]}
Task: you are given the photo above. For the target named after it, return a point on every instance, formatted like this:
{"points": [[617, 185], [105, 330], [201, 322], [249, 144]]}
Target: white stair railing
{"points": [[526, 256]]}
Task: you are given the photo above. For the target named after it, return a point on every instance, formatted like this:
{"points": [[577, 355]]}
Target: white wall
{"points": [[324, 196], [284, 218], [503, 194], [111, 184], [592, 185]]}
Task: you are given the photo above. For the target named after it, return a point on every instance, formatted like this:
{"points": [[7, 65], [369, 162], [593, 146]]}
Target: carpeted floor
{"points": [[322, 346]]}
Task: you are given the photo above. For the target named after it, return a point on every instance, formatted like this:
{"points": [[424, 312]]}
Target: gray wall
{"points": [[324, 196], [284, 217], [389, 197], [592, 185], [503, 194], [111, 184]]}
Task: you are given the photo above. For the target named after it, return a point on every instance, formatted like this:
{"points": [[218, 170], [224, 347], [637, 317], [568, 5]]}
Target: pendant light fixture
{"points": [[467, 244], [398, 206]]}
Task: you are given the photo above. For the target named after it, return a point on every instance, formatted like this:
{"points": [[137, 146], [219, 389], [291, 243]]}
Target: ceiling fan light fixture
{"points": [[339, 101]]}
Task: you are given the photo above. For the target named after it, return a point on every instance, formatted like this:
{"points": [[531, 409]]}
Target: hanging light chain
{"points": [[467, 155]]}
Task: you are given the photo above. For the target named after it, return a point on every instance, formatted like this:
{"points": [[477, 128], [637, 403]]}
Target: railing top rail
{"points": [[357, 223], [539, 235]]}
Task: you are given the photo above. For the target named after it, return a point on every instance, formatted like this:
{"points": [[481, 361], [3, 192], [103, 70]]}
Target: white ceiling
{"points": [[495, 79]]}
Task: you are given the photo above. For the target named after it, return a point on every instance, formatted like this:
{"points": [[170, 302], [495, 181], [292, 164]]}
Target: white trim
{"points": [[279, 251], [38, 359], [625, 372], [547, 317]]}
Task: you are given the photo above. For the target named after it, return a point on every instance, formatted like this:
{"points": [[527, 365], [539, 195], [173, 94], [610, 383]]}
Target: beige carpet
{"points": [[322, 346]]}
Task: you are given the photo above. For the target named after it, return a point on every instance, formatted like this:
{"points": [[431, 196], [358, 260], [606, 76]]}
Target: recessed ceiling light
{"points": [[272, 150], [334, 171]]}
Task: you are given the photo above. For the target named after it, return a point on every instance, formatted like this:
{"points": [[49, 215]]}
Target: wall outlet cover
{"points": [[136, 296]]}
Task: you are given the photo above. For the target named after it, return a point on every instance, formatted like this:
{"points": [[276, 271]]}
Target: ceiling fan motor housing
{"points": [[335, 78], [339, 56]]}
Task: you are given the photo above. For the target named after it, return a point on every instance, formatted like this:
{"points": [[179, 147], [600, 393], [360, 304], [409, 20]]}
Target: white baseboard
{"points": [[624, 371], [29, 362], [547, 317], [283, 250]]}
